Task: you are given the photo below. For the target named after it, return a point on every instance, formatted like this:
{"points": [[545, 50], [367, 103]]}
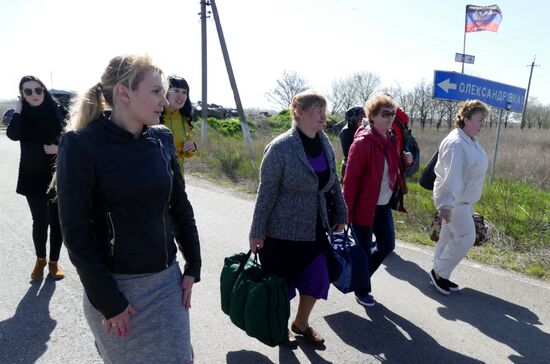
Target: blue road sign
{"points": [[458, 86]]}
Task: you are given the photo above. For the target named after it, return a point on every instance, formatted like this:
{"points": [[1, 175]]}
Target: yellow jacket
{"points": [[181, 132]]}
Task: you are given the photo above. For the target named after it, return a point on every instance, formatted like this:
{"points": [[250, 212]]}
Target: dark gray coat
{"points": [[288, 198]]}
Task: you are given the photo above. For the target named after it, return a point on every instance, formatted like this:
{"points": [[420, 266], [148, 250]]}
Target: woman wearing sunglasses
{"points": [[37, 123], [372, 175]]}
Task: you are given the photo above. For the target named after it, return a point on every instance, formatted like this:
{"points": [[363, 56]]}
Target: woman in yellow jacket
{"points": [[177, 117]]}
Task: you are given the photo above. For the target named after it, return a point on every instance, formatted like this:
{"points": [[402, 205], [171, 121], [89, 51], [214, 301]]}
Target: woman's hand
{"points": [[338, 228], [445, 214], [408, 157], [189, 146], [50, 148], [187, 286], [18, 106], [256, 244], [121, 322]]}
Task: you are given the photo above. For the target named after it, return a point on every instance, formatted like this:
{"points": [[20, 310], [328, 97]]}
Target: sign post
{"points": [[459, 87], [496, 145]]}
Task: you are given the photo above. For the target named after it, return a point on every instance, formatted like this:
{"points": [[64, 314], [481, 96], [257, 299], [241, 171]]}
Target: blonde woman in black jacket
{"points": [[124, 212], [37, 123]]}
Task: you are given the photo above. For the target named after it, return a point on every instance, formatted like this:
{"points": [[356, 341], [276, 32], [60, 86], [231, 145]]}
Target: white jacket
{"points": [[460, 170]]}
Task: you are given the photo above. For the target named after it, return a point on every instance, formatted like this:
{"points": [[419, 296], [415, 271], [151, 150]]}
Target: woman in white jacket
{"points": [[460, 172]]}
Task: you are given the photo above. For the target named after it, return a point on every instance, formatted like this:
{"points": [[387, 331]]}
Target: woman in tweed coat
{"points": [[291, 221]]}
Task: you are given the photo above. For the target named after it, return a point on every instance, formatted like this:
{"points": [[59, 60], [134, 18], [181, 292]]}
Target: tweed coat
{"points": [[289, 200]]}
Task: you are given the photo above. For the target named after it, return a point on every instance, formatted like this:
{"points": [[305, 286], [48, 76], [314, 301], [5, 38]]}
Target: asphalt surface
{"points": [[497, 317]]}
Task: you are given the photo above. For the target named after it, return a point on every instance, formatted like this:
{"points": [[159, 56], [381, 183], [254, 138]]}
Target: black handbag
{"points": [[350, 262], [396, 200], [427, 178]]}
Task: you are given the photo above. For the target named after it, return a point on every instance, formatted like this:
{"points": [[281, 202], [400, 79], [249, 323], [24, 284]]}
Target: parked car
{"points": [[63, 96], [6, 116], [216, 111]]}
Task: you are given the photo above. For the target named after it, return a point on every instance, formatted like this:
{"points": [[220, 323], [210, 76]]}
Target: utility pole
{"points": [[522, 125], [242, 117], [204, 102]]}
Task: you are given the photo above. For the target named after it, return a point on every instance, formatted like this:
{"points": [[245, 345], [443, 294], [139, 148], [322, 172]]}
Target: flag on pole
{"points": [[479, 18]]}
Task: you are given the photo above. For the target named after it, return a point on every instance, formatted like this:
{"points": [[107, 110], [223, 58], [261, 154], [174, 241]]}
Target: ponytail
{"points": [[87, 108], [122, 70]]}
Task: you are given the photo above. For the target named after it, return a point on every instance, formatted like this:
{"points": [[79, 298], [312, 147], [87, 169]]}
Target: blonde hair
{"points": [[128, 70], [306, 100], [377, 103], [467, 109]]}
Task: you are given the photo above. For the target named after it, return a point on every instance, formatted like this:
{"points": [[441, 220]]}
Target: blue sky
{"points": [[68, 43]]}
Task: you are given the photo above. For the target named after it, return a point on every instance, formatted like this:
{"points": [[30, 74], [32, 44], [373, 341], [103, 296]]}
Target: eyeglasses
{"points": [[386, 113], [37, 90]]}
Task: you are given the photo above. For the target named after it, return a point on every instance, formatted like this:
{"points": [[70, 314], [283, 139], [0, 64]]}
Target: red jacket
{"points": [[363, 176]]}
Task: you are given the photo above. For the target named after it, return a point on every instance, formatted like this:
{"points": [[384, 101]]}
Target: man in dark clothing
{"points": [[353, 117]]}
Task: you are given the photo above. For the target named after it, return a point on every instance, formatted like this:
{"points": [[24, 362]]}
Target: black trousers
{"points": [[384, 231], [44, 213]]}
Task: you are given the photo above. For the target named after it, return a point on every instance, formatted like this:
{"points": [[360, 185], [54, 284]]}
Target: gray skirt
{"points": [[160, 333]]}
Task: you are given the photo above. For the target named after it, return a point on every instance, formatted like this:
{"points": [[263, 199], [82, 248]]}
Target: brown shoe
{"points": [[38, 271], [55, 270], [290, 342], [310, 334]]}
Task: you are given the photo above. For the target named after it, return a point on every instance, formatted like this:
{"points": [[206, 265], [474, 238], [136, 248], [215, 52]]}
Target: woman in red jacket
{"points": [[372, 174]]}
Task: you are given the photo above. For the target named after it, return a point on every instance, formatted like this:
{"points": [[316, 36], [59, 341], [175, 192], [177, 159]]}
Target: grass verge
{"points": [[516, 212]]}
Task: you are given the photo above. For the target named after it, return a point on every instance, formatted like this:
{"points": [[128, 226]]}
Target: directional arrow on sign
{"points": [[460, 87], [446, 85]]}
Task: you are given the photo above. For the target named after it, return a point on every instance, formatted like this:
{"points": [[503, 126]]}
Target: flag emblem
{"points": [[479, 18]]}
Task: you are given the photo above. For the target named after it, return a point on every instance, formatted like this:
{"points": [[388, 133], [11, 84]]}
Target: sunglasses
{"points": [[37, 90], [386, 113]]}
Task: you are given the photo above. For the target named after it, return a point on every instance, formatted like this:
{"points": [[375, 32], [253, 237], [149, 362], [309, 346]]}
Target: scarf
{"points": [[389, 153], [41, 123]]}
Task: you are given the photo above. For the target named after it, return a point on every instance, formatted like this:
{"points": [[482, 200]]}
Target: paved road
{"points": [[498, 317]]}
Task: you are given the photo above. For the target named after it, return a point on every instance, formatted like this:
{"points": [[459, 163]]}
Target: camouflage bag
{"points": [[479, 222]]}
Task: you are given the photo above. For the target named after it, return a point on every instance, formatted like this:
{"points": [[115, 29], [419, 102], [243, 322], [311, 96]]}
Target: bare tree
{"points": [[423, 101], [407, 102], [440, 110], [531, 112], [365, 84], [341, 96], [352, 90], [538, 114], [290, 84]]}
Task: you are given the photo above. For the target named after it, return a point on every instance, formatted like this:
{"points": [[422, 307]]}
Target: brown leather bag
{"points": [[479, 222]]}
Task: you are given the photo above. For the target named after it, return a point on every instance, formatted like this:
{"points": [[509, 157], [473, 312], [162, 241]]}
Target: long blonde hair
{"points": [[128, 70]]}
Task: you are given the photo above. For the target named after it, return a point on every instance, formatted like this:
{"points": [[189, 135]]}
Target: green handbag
{"points": [[256, 302]]}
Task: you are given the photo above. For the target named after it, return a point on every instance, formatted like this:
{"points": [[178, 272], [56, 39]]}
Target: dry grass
{"points": [[522, 154]]}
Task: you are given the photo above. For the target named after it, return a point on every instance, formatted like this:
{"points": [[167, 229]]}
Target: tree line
{"points": [[356, 88]]}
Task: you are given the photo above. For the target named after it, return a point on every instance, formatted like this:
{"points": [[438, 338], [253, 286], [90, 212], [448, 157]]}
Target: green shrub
{"points": [[280, 121], [230, 127]]}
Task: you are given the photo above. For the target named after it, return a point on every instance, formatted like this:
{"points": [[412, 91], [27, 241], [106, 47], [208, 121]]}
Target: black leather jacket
{"points": [[122, 201]]}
